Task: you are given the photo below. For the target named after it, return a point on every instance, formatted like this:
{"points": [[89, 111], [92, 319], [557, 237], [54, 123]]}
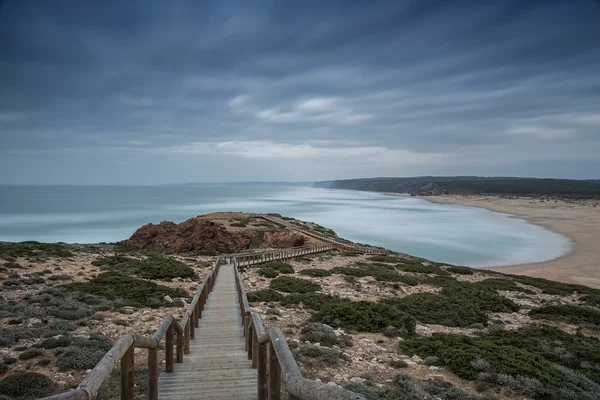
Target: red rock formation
{"points": [[202, 234]]}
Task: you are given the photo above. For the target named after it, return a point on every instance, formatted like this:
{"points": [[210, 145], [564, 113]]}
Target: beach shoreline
{"points": [[577, 220]]}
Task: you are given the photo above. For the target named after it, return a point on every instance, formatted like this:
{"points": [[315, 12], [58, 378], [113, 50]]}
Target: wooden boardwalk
{"points": [[217, 366]]}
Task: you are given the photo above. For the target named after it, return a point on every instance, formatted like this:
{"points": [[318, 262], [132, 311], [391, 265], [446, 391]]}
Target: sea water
{"points": [[446, 233]]}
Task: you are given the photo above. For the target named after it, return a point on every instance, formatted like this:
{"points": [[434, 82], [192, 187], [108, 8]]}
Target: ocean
{"points": [[446, 233]]}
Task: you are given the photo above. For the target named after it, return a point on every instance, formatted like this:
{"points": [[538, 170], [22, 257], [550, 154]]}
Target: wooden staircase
{"points": [[217, 366]]}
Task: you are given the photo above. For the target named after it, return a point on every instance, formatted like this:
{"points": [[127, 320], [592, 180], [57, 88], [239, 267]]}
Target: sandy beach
{"points": [[578, 220]]}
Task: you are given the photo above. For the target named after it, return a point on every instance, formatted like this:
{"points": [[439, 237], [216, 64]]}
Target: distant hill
{"points": [[472, 185]]}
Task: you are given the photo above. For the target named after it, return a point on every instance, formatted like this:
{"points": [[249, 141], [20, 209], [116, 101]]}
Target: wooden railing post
{"points": [[192, 323], [186, 337], [249, 334], [169, 348], [274, 375], [127, 382], [262, 371], [153, 374], [179, 358], [255, 347]]}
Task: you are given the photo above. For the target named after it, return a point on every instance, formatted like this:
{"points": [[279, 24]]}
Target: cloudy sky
{"points": [[202, 91]]}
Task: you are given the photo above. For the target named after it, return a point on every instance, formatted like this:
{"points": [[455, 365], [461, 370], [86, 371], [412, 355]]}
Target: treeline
{"points": [[472, 185]]}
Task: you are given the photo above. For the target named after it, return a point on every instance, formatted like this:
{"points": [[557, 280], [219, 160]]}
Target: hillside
{"points": [[390, 326], [472, 185]]}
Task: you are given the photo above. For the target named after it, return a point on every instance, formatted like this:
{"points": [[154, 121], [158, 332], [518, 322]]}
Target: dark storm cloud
{"points": [[114, 88]]}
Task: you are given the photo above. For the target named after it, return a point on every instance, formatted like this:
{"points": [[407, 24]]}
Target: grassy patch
{"points": [[114, 285], [363, 316], [153, 267], [567, 313], [35, 249], [458, 304], [293, 285], [315, 272], [264, 295]]}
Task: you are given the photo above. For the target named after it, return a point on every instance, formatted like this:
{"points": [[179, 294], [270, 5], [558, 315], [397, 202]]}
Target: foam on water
{"points": [[448, 233]]}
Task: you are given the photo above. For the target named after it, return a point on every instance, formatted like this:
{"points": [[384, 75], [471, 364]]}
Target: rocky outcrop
{"points": [[201, 234]]}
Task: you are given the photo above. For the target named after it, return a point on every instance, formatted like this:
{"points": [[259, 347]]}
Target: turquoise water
{"points": [[447, 233]]}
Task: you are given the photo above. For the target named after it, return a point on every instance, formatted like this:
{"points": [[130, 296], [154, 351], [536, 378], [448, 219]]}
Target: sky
{"points": [[148, 92]]}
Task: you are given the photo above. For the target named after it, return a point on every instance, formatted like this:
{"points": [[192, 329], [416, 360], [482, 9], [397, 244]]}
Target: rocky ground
{"points": [[373, 359]]}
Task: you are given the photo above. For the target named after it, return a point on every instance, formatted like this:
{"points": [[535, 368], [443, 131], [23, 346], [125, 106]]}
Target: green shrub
{"points": [[387, 259], [324, 354], [62, 325], [315, 272], [114, 285], [35, 280], [458, 304], [313, 301], [418, 267], [501, 284], [293, 285], [3, 368], [268, 272], [402, 388], [61, 277], [79, 358], [567, 313], [264, 295], [381, 272], [31, 353], [83, 353], [279, 266], [363, 316], [33, 249], [54, 342], [26, 385], [553, 287], [316, 332], [455, 269], [458, 351], [153, 267]]}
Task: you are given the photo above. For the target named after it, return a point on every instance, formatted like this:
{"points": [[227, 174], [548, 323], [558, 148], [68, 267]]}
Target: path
{"points": [[217, 366]]}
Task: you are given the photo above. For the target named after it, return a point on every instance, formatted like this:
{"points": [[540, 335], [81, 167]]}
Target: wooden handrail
{"points": [[277, 364], [122, 351]]}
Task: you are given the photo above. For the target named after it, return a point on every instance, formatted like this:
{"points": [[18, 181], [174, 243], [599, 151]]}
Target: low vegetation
{"points": [[363, 316], [274, 268], [579, 315], [522, 361], [34, 249], [381, 272], [26, 386], [114, 285], [312, 301], [153, 267], [459, 304], [315, 272], [266, 295], [293, 285]]}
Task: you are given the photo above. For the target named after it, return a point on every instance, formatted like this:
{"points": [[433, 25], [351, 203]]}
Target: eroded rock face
{"points": [[202, 234]]}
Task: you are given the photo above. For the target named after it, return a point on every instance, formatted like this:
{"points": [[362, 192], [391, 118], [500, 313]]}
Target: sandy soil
{"points": [[579, 220]]}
